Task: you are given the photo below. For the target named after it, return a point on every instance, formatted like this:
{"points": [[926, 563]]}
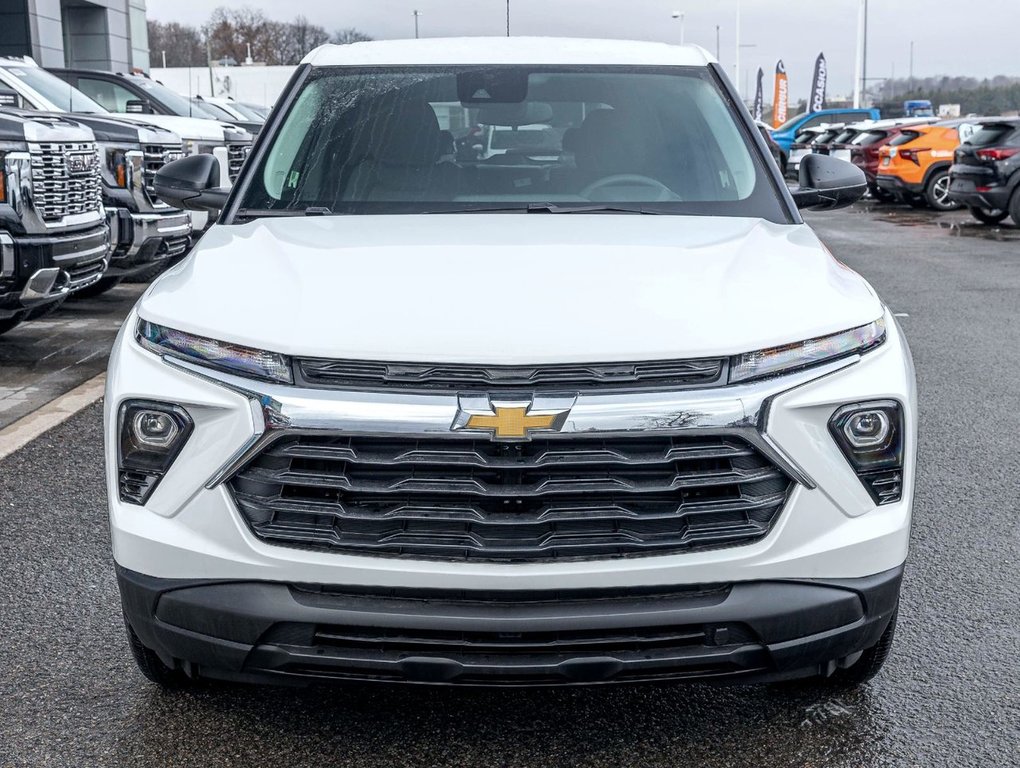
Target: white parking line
{"points": [[28, 428], [900, 314]]}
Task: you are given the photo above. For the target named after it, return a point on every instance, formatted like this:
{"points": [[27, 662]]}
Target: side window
{"points": [[111, 95]]}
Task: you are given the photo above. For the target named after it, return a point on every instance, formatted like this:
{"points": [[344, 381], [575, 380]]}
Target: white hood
{"points": [[509, 288], [193, 128]]}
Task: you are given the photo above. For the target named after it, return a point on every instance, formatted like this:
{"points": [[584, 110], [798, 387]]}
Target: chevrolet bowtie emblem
{"points": [[515, 420]]}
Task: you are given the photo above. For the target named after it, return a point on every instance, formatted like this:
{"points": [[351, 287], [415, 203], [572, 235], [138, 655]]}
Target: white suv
{"points": [[611, 415]]}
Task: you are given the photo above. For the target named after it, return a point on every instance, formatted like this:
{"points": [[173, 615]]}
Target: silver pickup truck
{"points": [[54, 238]]}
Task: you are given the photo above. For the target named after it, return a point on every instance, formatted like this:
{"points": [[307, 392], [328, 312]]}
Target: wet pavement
{"points": [[949, 695], [42, 359]]}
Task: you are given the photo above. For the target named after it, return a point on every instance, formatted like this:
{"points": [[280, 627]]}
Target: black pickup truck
{"points": [[54, 237]]}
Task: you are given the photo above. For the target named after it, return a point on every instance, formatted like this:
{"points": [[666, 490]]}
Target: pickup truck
{"points": [[146, 234], [607, 413], [38, 89], [54, 238]]}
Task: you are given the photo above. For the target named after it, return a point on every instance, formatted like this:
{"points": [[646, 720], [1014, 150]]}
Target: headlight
{"points": [[117, 164], [221, 355], [789, 357]]}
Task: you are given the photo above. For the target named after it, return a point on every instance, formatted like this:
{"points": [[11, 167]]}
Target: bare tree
{"points": [[182, 44], [347, 36]]}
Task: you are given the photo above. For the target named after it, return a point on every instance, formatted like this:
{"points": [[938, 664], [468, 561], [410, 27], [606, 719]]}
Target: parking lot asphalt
{"points": [[949, 695]]}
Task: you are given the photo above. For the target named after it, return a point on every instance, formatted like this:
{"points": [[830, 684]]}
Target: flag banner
{"points": [[781, 96], [817, 100], [759, 97]]}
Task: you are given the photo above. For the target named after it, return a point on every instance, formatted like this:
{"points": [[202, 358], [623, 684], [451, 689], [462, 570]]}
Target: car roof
{"points": [[508, 50]]}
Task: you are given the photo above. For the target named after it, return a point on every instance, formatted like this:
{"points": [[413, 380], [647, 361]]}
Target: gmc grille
{"points": [[551, 499], [155, 157], [236, 155], [65, 179]]}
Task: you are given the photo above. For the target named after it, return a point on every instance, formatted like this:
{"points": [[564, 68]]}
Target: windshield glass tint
{"points": [[454, 139], [990, 134], [173, 101], [868, 137], [904, 138], [55, 90]]}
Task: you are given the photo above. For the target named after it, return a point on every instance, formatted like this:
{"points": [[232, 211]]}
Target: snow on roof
{"points": [[508, 50]]}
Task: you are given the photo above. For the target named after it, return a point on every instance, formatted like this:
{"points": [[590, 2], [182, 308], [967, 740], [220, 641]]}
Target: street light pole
{"points": [[508, 18], [736, 53], [911, 65], [416, 13], [683, 19], [718, 51]]}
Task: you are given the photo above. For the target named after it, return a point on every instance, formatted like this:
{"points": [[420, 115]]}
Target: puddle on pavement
{"points": [[955, 224]]}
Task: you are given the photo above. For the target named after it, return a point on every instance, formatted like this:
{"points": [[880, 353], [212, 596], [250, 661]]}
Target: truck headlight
{"points": [[221, 355], [151, 435], [789, 357], [870, 435]]}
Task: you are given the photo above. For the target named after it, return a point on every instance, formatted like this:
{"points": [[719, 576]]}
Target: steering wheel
{"points": [[629, 179]]}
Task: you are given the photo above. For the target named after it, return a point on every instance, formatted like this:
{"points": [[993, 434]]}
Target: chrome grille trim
{"points": [[236, 155], [155, 156], [60, 191]]}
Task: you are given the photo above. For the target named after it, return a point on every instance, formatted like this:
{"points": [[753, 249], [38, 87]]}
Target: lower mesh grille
{"points": [[466, 499]]}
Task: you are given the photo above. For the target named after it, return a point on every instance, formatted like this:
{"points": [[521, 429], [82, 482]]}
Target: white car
{"points": [[408, 419]]}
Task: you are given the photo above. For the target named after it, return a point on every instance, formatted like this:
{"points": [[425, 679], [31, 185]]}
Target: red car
{"points": [[865, 145]]}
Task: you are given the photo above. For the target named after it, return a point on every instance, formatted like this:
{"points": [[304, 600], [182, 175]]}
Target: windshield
{"points": [[173, 101], [990, 133], [868, 137], [247, 112], [215, 109], [55, 90], [387, 140], [904, 138]]}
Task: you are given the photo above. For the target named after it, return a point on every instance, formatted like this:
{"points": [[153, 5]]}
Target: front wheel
{"points": [[10, 323], [871, 661], [937, 192], [152, 667]]}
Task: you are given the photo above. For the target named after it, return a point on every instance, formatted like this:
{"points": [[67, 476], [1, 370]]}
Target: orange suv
{"points": [[914, 166]]}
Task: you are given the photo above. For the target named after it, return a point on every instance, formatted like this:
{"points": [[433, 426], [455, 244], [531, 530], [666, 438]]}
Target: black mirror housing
{"points": [[138, 107], [827, 183], [192, 183], [10, 98]]}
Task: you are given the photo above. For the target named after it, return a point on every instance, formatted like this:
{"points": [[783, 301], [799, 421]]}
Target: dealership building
{"points": [[92, 34]]}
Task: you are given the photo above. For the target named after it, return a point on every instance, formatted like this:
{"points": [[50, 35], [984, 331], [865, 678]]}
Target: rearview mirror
{"points": [[9, 98], [192, 183], [827, 183], [138, 107]]}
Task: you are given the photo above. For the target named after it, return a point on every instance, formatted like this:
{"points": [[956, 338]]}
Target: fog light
{"points": [[871, 437], [154, 428], [868, 429], [151, 437]]}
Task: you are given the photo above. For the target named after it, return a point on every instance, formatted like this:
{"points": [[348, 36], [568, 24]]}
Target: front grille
{"points": [[174, 246], [65, 179], [473, 499], [357, 374], [155, 156], [85, 273], [236, 155]]}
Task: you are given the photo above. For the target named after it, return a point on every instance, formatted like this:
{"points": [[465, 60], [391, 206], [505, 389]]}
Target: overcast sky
{"points": [[948, 39]]}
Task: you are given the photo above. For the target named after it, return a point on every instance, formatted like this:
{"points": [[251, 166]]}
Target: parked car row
{"points": [[78, 209], [922, 161]]}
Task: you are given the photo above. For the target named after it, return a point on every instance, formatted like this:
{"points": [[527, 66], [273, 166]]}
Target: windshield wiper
{"points": [[551, 208], [264, 213]]}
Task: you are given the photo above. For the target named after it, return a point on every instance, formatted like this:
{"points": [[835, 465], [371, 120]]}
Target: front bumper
{"points": [[141, 239], [287, 633], [41, 269]]}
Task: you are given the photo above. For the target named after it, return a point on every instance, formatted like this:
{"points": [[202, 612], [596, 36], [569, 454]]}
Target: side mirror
{"points": [[9, 98], [827, 183], [192, 183], [138, 107]]}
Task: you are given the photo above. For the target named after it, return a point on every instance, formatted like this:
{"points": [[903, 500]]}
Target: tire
{"points": [[989, 215], [871, 661], [97, 289], [149, 274], [879, 195], [153, 668], [936, 193], [915, 202], [10, 323], [1014, 206], [45, 310]]}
